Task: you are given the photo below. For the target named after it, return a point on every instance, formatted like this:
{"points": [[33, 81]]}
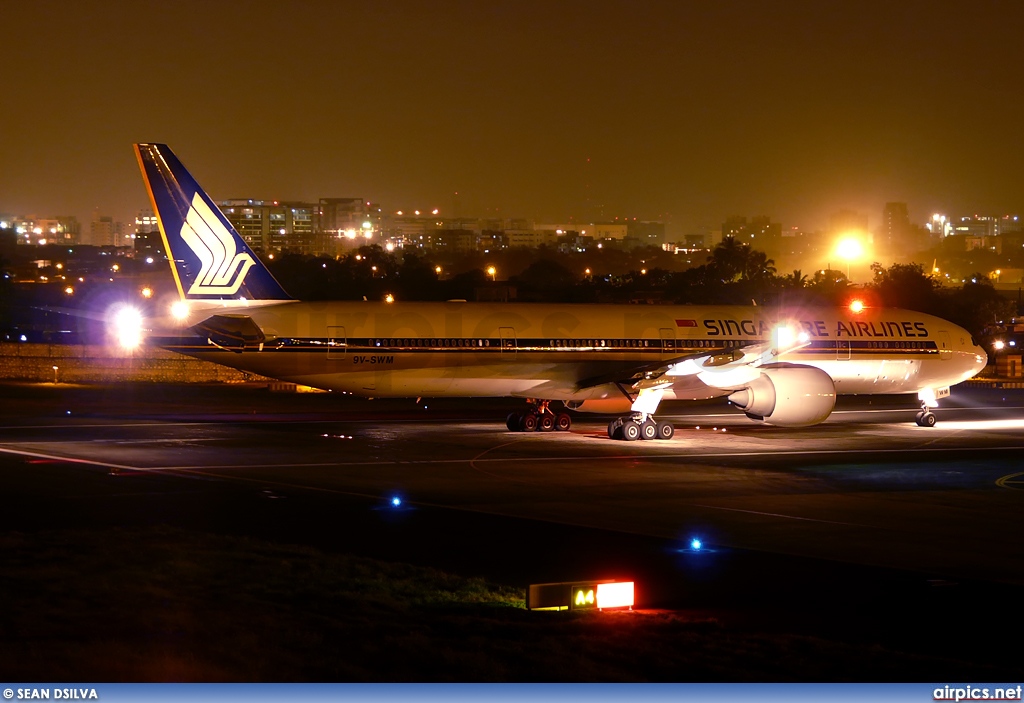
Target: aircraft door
{"points": [[668, 342], [508, 341], [842, 349], [337, 343], [945, 346]]}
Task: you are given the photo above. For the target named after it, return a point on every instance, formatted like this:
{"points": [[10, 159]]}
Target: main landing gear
{"points": [[539, 418], [639, 426], [925, 417]]}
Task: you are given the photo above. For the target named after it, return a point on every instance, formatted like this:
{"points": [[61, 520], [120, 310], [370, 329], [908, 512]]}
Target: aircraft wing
{"points": [[721, 368]]}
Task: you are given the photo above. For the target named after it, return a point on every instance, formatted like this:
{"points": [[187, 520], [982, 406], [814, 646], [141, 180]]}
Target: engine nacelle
{"points": [[609, 406], [788, 396]]}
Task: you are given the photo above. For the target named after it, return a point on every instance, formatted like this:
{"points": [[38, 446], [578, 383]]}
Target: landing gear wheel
{"points": [[513, 421], [547, 422], [926, 419], [630, 431], [665, 430], [529, 422], [649, 430], [563, 422], [614, 430]]}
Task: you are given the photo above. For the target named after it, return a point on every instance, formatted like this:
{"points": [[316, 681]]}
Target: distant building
{"points": [[269, 227], [105, 232], [339, 215], [976, 226], [759, 232], [1010, 224], [847, 221], [896, 232], [645, 234], [451, 241], [532, 238], [40, 231], [146, 222]]}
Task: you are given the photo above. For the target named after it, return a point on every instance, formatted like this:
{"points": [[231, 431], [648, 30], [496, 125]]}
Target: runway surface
{"points": [[867, 487]]}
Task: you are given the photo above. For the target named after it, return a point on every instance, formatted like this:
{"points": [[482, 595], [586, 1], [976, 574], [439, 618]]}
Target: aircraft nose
{"points": [[980, 358]]}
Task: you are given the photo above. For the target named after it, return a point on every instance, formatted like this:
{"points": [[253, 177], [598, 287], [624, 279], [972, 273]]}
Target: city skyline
{"points": [[675, 112]]}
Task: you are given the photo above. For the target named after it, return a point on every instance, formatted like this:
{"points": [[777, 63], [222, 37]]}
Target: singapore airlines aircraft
{"points": [[784, 367]]}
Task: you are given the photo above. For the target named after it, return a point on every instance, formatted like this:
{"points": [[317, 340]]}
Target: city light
{"points": [[389, 298], [849, 249], [146, 292], [69, 291], [491, 271]]}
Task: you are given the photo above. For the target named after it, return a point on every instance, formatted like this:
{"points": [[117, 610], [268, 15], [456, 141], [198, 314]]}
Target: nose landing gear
{"points": [[925, 417], [640, 426]]}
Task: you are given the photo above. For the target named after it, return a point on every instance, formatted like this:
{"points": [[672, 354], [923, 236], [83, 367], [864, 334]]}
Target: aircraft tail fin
{"points": [[209, 259]]}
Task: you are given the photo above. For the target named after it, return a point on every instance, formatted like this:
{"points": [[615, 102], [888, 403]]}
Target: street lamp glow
{"points": [[849, 249], [491, 271]]}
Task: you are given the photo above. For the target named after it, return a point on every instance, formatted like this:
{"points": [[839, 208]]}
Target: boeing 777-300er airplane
{"points": [[781, 367]]}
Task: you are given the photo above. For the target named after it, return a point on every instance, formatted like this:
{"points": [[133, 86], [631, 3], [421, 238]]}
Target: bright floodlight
{"points": [[998, 344], [849, 249], [179, 310], [857, 306], [127, 326]]}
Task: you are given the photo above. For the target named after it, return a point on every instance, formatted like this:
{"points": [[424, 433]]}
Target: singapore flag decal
{"points": [[221, 270]]}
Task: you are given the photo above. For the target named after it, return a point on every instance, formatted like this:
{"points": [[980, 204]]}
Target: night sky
{"points": [[683, 111]]}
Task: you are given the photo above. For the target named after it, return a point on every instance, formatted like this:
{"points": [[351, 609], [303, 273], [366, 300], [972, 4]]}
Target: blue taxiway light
{"points": [[696, 544], [396, 502]]}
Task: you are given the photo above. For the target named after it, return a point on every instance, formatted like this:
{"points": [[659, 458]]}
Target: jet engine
{"points": [[788, 396]]}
